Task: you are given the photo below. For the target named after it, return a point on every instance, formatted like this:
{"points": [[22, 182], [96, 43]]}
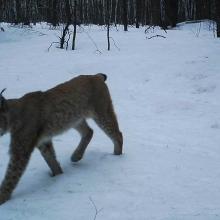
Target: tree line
{"points": [[165, 13]]}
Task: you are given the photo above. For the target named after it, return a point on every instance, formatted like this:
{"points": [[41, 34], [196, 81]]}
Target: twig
{"points": [[153, 27], [148, 28], [155, 36], [96, 210], [164, 29], [67, 41], [115, 43], [198, 30], [116, 27], [52, 44], [97, 49]]}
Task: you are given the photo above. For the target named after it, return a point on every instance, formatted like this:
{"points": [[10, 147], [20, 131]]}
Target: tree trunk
{"points": [[125, 15], [155, 12], [54, 19], [27, 13], [68, 22], [171, 12], [75, 22], [138, 13], [108, 23], [217, 12], [18, 12]]}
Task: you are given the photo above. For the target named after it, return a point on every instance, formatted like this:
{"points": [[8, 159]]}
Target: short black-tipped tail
{"points": [[102, 75]]}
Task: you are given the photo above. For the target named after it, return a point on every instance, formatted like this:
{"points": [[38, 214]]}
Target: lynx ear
{"points": [[3, 102]]}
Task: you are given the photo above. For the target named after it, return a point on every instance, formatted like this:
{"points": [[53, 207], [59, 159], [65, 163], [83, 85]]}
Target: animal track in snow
{"points": [[204, 89], [216, 125], [198, 76]]}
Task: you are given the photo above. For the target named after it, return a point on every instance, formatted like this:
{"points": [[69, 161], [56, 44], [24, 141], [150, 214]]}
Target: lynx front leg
{"points": [[86, 135], [19, 158], [48, 153]]}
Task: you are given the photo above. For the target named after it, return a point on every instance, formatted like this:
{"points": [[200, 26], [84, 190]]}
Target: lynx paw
{"points": [[118, 151], [76, 157], [56, 172]]}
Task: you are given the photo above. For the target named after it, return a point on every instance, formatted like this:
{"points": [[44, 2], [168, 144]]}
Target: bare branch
{"points": [[152, 27], [97, 49], [155, 36], [52, 45], [67, 41], [115, 43], [149, 28]]}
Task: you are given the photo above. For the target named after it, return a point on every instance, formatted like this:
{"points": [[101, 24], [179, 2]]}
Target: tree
{"points": [[217, 12], [135, 12]]}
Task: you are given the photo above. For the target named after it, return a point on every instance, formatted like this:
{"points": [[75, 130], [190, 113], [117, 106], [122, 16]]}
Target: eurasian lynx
{"points": [[35, 118]]}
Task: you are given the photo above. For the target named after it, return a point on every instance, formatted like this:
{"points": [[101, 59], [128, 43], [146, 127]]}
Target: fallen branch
{"points": [[96, 210], [155, 36]]}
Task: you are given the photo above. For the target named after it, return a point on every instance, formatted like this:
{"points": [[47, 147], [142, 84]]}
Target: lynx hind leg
{"points": [[107, 121], [49, 155], [86, 135]]}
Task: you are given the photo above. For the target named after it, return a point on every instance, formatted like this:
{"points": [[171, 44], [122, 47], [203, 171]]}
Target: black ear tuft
{"points": [[3, 102], [2, 91]]}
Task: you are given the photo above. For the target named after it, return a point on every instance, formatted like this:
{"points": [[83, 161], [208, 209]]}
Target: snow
{"points": [[165, 93]]}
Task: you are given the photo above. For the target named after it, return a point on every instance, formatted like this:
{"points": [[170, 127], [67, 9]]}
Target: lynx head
{"points": [[3, 114]]}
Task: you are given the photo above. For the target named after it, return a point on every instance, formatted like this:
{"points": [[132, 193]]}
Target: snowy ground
{"points": [[166, 95]]}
